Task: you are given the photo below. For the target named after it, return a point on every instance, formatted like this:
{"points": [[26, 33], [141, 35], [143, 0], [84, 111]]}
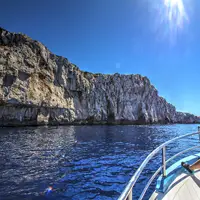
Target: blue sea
{"points": [[81, 162]]}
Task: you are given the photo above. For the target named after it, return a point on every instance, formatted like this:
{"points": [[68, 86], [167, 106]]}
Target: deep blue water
{"points": [[81, 162]]}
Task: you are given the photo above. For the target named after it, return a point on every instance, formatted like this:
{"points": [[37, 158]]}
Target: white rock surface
{"points": [[38, 87]]}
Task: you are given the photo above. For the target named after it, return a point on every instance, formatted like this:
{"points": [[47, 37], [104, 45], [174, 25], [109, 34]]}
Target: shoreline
{"points": [[19, 115], [91, 124]]}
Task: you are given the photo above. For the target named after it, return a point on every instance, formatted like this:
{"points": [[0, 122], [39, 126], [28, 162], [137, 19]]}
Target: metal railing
{"points": [[128, 191]]}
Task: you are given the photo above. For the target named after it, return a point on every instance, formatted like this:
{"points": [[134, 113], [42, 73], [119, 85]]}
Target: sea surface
{"points": [[81, 162]]}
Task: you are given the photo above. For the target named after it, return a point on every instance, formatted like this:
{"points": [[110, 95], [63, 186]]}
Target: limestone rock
{"points": [[38, 87]]}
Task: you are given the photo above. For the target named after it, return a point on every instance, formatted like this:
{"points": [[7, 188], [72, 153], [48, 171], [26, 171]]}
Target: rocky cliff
{"points": [[38, 87]]}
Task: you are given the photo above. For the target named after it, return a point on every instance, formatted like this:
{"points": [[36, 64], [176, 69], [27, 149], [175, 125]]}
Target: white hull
{"points": [[184, 187]]}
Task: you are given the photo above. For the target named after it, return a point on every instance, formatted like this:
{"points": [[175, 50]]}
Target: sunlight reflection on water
{"points": [[82, 162]]}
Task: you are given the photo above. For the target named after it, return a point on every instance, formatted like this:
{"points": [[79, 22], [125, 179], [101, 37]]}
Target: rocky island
{"points": [[38, 87]]}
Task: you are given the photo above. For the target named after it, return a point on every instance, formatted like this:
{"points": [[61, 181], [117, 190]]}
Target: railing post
{"points": [[199, 131], [130, 195], [164, 160]]}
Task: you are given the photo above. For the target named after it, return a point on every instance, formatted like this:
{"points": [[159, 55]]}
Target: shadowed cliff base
{"points": [[39, 87]]}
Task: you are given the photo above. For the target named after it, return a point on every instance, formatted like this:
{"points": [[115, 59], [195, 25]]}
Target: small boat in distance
{"points": [[174, 183]]}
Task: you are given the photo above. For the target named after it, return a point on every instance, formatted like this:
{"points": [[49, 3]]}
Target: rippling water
{"points": [[80, 162]]}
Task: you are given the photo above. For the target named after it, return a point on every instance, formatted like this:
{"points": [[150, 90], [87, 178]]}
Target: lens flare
{"points": [[171, 18], [176, 14]]}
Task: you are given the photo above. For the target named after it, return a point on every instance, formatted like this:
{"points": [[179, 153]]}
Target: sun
{"points": [[171, 18], [175, 13]]}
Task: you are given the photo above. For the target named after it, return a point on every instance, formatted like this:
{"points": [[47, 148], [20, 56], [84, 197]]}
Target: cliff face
{"points": [[38, 87]]}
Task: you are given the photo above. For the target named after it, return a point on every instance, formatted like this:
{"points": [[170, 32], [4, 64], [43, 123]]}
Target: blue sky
{"points": [[124, 36]]}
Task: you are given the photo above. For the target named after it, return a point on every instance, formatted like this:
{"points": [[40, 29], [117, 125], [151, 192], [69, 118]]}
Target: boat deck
{"points": [[174, 182], [184, 187]]}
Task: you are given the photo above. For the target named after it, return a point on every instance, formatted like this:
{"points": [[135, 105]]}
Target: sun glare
{"points": [[173, 18], [175, 13]]}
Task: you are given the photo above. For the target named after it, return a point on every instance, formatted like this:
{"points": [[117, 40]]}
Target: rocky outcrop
{"points": [[38, 87]]}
